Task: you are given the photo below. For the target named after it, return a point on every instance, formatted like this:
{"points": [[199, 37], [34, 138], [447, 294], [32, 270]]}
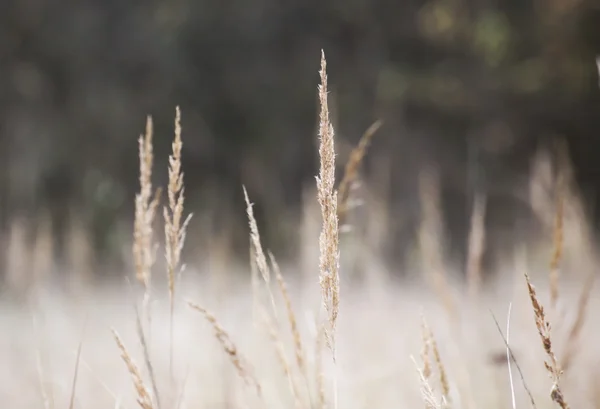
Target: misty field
{"points": [[307, 335]]}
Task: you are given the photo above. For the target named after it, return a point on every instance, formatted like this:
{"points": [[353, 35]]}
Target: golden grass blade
{"points": [[427, 393], [351, 171], [275, 337], [146, 352], [175, 226], [543, 327], [299, 350], [259, 254], [230, 349], [144, 399], [432, 346], [329, 239]]}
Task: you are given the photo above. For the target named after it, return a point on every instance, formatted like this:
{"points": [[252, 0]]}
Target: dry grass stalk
{"points": [[319, 375], [575, 331], [329, 261], [426, 348], [427, 392], [144, 249], [476, 246], [298, 349], [430, 345], [511, 358], [175, 225], [143, 395], [329, 239], [508, 359], [254, 281], [543, 327], [351, 171], [230, 349], [146, 352], [281, 354], [259, 254], [259, 261]]}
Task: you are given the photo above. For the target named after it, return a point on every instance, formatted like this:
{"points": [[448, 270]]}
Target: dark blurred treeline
{"points": [[472, 85]]}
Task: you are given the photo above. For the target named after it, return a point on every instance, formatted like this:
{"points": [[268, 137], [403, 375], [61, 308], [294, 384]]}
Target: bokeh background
{"points": [[480, 101], [474, 87]]}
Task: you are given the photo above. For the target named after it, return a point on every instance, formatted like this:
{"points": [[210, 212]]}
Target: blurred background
{"points": [[473, 88]]}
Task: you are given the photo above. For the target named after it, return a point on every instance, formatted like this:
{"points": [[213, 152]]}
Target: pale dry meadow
{"points": [[308, 335]]}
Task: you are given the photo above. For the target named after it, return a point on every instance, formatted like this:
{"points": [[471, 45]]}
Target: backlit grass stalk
{"points": [[144, 399], [293, 322], [146, 202], [351, 171], [329, 237], [431, 346], [552, 365], [240, 364], [275, 336], [327, 196], [427, 392], [175, 225], [259, 261], [259, 254], [298, 349]]}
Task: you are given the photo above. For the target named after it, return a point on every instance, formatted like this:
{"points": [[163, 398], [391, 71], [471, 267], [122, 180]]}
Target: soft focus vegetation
{"points": [[314, 334], [474, 87]]}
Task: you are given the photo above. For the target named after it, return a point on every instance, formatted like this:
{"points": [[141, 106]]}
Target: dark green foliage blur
{"points": [[449, 78]]}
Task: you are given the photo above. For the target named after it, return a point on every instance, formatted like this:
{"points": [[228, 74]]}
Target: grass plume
{"points": [[552, 365], [146, 203], [175, 224], [329, 239], [329, 263], [351, 171], [144, 398], [239, 363]]}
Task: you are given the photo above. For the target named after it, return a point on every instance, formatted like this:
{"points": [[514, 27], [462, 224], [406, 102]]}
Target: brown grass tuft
{"points": [[329, 239], [240, 364], [427, 393], [543, 327], [275, 336], [143, 394], [426, 349], [144, 248], [298, 349], [432, 346], [351, 172]]}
